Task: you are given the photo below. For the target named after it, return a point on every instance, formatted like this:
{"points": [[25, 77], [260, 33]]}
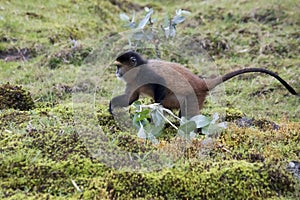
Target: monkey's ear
{"points": [[133, 61]]}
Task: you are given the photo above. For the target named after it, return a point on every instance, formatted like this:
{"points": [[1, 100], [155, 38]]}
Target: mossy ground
{"points": [[43, 46]]}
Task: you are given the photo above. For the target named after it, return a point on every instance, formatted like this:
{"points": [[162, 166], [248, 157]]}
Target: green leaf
{"points": [[156, 130], [178, 19], [157, 118], [178, 12], [166, 22], [144, 114], [215, 118], [210, 130], [124, 17], [153, 20], [172, 31], [201, 120], [183, 120], [144, 21], [137, 105], [193, 135], [188, 127], [185, 12], [130, 25], [141, 116], [141, 133], [153, 139]]}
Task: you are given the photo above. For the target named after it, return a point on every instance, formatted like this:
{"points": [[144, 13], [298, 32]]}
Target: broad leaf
{"points": [[156, 130], [210, 130], [201, 121], [178, 12], [172, 31], [157, 118], [153, 20], [144, 21], [153, 139], [141, 133], [144, 114], [188, 127], [215, 118], [130, 25], [185, 12], [124, 17], [178, 19], [137, 122]]}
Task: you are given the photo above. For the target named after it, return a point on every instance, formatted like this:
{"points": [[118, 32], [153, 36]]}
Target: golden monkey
{"points": [[170, 84]]}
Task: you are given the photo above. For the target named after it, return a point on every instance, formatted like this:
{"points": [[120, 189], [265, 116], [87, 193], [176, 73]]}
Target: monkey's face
{"points": [[121, 69], [126, 62]]}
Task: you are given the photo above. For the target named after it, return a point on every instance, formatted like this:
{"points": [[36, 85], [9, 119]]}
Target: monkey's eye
{"points": [[133, 61]]}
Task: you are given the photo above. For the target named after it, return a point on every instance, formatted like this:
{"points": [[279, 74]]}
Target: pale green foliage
{"points": [[151, 119], [169, 26], [142, 32]]}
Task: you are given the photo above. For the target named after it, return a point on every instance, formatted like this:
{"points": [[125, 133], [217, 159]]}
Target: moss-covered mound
{"points": [[14, 96], [223, 180], [45, 157]]}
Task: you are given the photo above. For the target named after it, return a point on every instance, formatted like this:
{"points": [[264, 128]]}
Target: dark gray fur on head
{"points": [[132, 58]]}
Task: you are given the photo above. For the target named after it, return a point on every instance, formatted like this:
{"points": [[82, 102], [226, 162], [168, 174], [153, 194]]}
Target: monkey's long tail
{"points": [[230, 75]]}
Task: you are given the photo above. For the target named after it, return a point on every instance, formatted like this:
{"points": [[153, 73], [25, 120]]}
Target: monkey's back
{"points": [[180, 78]]}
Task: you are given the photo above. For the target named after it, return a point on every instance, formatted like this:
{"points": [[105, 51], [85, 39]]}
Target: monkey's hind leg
{"points": [[189, 106], [159, 93]]}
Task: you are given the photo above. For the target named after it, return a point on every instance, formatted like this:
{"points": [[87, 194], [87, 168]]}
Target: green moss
{"points": [[62, 112], [13, 119], [105, 119], [14, 96], [256, 144], [233, 114], [224, 180], [29, 170]]}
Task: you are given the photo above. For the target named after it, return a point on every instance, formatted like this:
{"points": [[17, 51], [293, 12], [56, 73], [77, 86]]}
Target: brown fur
{"points": [[170, 84]]}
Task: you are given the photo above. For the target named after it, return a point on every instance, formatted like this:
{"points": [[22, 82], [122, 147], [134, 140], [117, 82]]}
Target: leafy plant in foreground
{"points": [[151, 119]]}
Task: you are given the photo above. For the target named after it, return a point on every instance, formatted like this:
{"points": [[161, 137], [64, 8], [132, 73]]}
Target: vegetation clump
{"points": [[14, 96], [16, 54], [223, 180], [74, 55], [13, 118]]}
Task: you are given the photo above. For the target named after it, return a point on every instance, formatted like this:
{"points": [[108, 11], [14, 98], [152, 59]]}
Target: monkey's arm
{"points": [[122, 101]]}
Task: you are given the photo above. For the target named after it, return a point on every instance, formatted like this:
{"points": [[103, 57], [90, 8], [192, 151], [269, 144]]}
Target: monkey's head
{"points": [[127, 61]]}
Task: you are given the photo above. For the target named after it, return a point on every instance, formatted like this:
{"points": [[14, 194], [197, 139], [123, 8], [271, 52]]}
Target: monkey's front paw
{"points": [[110, 109]]}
